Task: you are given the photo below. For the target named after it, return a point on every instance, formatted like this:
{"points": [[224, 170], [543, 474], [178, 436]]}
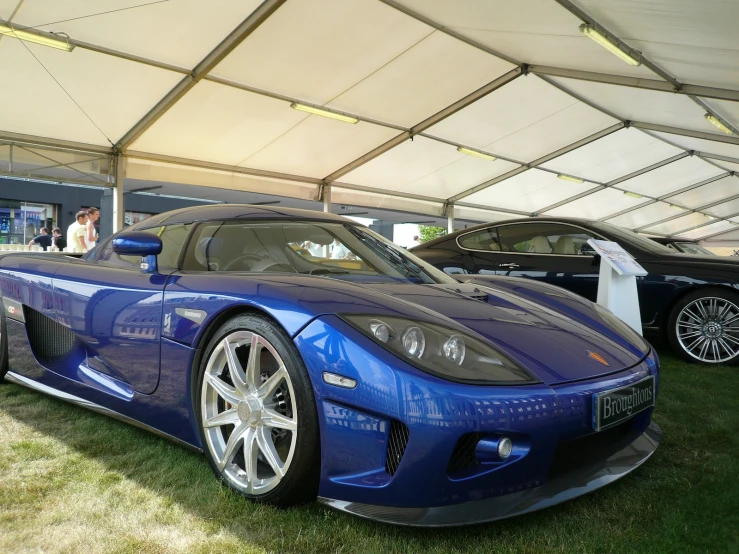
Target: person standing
{"points": [[58, 242], [43, 240], [76, 233], [91, 234]]}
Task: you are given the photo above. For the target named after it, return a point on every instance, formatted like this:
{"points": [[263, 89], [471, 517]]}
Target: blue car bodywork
{"points": [[403, 446]]}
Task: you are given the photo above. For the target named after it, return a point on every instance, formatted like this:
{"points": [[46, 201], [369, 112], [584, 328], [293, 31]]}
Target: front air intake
{"points": [[463, 456], [396, 443]]}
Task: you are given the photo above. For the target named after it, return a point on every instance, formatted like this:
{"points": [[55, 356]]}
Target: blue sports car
{"points": [[308, 357]]}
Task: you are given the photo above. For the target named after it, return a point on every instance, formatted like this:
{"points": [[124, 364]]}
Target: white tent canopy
{"points": [[183, 91]]}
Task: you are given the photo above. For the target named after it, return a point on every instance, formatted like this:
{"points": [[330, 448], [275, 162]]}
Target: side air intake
{"points": [[463, 456], [397, 441], [49, 340]]}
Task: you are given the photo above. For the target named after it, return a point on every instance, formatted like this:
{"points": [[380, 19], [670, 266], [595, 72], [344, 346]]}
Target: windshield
{"points": [[692, 248], [343, 251], [628, 238]]}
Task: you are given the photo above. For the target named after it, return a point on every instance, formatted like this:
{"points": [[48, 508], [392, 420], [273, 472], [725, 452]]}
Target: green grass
{"points": [[75, 481]]}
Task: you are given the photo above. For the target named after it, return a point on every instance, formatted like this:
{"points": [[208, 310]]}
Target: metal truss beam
{"points": [[636, 82], [53, 144], [427, 123], [718, 157], [706, 224], [237, 36], [542, 160], [685, 132]]}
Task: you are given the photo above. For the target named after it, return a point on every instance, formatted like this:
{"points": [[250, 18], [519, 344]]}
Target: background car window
{"points": [[485, 239], [545, 238], [173, 238]]}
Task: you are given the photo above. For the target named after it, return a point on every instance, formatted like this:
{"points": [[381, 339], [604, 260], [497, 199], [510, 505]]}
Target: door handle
{"points": [[509, 266]]}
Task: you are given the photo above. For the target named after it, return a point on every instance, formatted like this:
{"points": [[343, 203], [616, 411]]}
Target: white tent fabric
{"points": [[201, 94]]}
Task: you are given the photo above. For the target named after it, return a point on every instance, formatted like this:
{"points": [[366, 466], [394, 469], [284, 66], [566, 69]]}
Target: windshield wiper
{"points": [[398, 257]]}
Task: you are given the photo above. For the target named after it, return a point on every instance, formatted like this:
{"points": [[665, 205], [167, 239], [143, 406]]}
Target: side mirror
{"points": [[140, 243]]}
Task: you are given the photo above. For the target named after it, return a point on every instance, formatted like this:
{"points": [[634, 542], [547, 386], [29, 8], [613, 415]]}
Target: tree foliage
{"points": [[428, 232]]}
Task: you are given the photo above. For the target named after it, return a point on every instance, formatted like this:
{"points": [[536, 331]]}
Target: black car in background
{"points": [[686, 246], [692, 301]]}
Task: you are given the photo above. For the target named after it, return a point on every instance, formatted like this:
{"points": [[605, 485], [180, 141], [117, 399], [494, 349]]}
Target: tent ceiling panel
{"points": [[646, 215], [316, 50], [219, 124], [597, 205], [694, 65], [662, 108], [147, 170], [379, 200], [406, 91], [677, 225], [483, 216], [426, 167], [671, 177], [708, 230], [712, 192], [115, 93], [180, 33], [725, 209], [701, 145], [669, 21], [528, 191], [729, 166], [318, 146], [532, 31], [524, 120], [613, 156]]}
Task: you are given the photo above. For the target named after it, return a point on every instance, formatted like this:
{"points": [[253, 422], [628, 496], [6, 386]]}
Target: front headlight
{"points": [[443, 352], [622, 328]]}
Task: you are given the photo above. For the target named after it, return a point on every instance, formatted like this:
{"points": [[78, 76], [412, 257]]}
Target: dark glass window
{"points": [[484, 239], [545, 238], [173, 238]]}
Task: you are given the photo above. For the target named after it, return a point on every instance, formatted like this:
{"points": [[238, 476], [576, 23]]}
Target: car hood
{"points": [[557, 337]]}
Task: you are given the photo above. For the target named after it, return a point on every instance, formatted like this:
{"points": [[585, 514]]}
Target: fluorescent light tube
{"points": [[570, 178], [717, 122], [324, 113], [602, 39], [676, 207], [632, 194], [44, 39], [475, 153]]}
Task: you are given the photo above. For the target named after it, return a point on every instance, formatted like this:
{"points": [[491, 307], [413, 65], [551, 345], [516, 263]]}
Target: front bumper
{"points": [[442, 422], [626, 455]]}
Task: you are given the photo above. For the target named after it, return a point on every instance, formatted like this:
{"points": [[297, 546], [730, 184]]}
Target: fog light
{"points": [[505, 447]]}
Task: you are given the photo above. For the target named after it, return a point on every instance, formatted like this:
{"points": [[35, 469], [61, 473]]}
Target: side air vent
{"points": [[396, 444], [49, 339], [463, 456]]}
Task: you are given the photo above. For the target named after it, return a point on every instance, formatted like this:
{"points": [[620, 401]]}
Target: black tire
{"points": [[299, 484], [717, 338], [3, 343]]}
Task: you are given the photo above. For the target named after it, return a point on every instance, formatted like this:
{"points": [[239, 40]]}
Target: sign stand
{"points": [[617, 282]]}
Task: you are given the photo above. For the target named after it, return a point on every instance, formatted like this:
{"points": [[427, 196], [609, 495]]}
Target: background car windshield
{"points": [[692, 248], [328, 249]]}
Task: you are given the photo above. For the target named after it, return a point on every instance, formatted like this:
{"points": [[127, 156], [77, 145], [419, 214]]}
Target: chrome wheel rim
{"points": [[249, 414], [708, 329]]}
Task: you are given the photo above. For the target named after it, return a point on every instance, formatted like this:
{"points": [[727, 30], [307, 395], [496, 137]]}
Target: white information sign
{"points": [[617, 282]]}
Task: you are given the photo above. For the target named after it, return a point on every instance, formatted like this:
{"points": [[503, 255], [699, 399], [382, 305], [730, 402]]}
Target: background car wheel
{"points": [[3, 344], [704, 327], [256, 413]]}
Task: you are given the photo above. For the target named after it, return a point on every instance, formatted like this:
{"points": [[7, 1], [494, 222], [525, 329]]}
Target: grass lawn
{"points": [[75, 481]]}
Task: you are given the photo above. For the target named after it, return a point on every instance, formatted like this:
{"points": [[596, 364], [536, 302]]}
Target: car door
{"points": [[556, 253], [116, 310]]}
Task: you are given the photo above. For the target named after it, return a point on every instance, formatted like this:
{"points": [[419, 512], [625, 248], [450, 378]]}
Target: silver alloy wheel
{"points": [[708, 329], [248, 412]]}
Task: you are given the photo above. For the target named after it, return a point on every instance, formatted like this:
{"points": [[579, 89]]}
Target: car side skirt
{"points": [[566, 486]]}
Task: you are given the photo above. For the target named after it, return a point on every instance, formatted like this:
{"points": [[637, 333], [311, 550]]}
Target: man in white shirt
{"points": [[76, 234], [91, 234], [339, 251]]}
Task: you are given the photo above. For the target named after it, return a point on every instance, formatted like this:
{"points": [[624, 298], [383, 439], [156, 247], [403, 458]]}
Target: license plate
{"points": [[616, 405]]}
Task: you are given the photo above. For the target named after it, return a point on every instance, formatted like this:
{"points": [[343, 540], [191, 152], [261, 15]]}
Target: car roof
{"points": [[236, 211]]}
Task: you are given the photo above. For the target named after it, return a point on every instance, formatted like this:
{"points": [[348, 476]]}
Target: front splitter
{"points": [[561, 488]]}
